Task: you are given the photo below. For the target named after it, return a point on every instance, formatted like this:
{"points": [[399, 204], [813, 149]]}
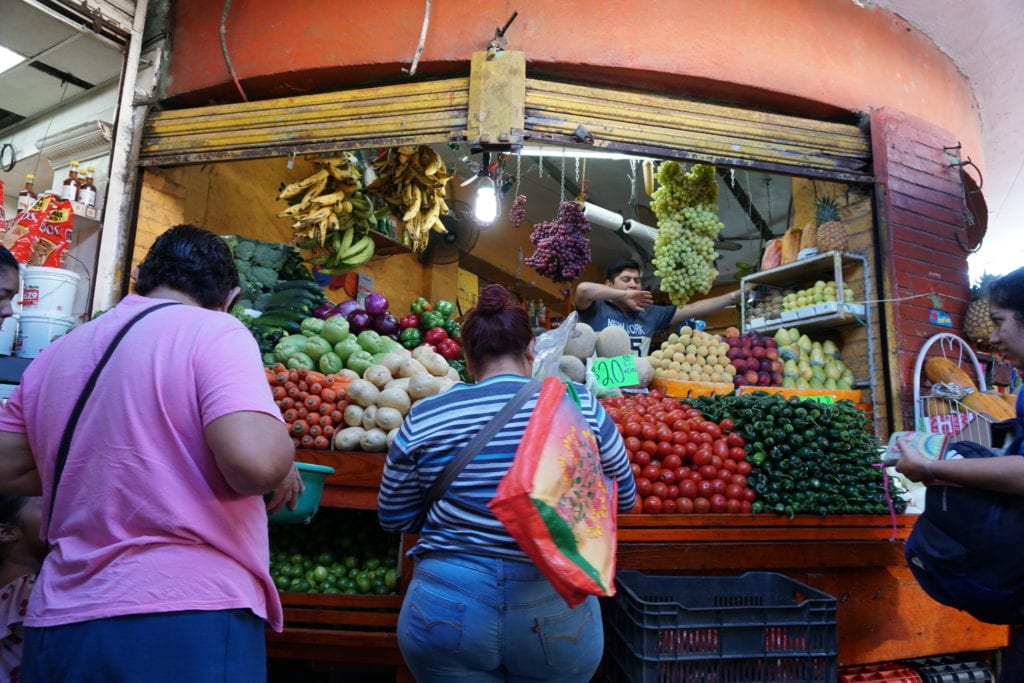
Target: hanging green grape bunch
{"points": [[684, 248]]}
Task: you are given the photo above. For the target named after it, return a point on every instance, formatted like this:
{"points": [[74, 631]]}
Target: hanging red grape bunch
{"points": [[562, 248], [518, 211]]}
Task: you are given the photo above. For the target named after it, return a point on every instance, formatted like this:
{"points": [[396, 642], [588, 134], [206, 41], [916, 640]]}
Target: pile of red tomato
{"points": [[682, 463]]}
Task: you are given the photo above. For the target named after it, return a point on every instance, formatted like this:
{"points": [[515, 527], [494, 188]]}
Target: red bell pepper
{"points": [[409, 321], [435, 335]]}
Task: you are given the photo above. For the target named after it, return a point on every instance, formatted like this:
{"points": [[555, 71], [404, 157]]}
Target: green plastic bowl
{"points": [[313, 477]]}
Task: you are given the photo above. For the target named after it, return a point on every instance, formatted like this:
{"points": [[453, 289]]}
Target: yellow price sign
{"points": [[618, 371]]}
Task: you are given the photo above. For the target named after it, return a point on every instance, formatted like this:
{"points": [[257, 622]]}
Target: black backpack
{"points": [[965, 550]]}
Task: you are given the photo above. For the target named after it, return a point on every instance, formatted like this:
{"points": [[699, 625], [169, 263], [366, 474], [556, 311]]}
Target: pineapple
{"points": [[977, 323], [831, 233]]}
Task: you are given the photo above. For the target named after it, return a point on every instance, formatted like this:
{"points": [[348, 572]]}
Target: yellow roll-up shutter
{"points": [[695, 131], [410, 113]]}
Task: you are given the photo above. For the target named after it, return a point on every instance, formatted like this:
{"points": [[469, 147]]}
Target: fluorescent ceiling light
{"points": [[575, 152], [9, 59]]}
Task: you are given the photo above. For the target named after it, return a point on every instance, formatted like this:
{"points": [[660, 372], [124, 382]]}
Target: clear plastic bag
{"points": [[548, 349]]}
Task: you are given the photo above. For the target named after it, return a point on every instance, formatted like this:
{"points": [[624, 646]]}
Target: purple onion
{"points": [[323, 311], [346, 307], [359, 320], [375, 304], [385, 324]]}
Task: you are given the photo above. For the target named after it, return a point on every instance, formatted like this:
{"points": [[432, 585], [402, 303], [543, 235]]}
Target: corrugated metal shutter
{"points": [[411, 113], [696, 131]]}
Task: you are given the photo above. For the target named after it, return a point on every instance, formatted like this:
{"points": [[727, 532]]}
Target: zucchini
{"points": [[307, 285]]}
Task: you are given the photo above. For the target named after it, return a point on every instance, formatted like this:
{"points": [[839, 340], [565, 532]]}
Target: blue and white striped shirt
{"points": [[434, 432]]}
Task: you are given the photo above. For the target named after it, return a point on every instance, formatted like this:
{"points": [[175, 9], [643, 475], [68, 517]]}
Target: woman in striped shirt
{"points": [[477, 609]]}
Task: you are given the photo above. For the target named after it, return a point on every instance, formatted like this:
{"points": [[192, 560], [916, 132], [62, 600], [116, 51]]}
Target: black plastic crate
{"points": [[760, 627], [948, 669]]}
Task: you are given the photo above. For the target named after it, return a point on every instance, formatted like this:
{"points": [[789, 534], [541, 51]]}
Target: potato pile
{"points": [[380, 400], [693, 356]]}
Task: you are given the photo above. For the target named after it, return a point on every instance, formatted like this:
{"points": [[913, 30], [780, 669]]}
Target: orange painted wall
{"points": [[824, 58]]}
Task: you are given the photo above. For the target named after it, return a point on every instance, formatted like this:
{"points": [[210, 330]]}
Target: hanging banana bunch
{"points": [[413, 180], [332, 216]]}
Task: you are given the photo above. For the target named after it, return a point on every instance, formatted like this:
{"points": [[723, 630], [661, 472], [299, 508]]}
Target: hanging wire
{"points": [[519, 172], [577, 170], [561, 182], [633, 164], [49, 124], [540, 165]]}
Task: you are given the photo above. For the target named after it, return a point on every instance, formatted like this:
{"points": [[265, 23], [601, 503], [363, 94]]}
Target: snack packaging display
{"points": [[41, 235], [931, 444]]}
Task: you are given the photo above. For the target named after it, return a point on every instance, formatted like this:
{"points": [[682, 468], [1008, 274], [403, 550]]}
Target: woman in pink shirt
{"points": [[158, 561]]}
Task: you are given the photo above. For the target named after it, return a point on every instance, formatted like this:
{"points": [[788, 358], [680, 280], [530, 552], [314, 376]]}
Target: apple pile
{"points": [[692, 355], [755, 358], [682, 462]]}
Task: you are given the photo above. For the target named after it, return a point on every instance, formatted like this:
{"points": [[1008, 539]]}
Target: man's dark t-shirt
{"points": [[639, 326]]}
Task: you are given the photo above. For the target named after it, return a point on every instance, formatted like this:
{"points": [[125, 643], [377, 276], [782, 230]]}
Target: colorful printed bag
{"points": [[556, 501]]}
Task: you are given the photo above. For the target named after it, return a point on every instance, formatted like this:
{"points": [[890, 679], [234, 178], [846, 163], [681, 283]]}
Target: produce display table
{"points": [[882, 614]]}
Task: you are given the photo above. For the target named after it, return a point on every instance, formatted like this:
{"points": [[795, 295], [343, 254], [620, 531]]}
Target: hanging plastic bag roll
{"points": [[639, 231], [600, 217]]}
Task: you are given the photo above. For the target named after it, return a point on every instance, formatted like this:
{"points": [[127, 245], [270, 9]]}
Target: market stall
{"points": [[844, 540]]}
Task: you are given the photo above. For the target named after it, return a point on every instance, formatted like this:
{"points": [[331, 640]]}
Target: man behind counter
{"points": [[621, 302]]}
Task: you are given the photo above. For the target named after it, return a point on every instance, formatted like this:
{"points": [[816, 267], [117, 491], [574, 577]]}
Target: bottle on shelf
{"points": [[87, 189], [27, 197], [69, 190]]}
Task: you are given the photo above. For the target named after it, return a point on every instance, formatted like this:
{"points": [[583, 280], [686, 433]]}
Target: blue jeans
{"points": [[472, 618], [199, 647]]}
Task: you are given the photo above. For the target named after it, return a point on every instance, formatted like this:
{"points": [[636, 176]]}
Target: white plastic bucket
{"points": [[49, 291], [35, 332], [8, 335]]}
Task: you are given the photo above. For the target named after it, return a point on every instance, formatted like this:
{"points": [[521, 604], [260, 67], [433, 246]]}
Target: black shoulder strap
{"points": [[76, 412], [460, 461]]}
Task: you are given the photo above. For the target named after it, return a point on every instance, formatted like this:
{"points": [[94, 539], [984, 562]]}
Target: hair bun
{"points": [[493, 300]]}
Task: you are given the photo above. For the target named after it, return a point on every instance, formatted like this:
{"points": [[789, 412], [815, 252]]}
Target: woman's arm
{"points": [[1004, 473]]}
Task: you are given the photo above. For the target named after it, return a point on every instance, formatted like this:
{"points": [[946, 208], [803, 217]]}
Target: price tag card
{"points": [[818, 399], [618, 371]]}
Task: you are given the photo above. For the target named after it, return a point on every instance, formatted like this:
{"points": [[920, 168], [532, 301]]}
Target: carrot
{"points": [[329, 395], [314, 376], [279, 367], [328, 408], [324, 421], [300, 427], [314, 430], [295, 440], [316, 388], [291, 415], [292, 391], [328, 431], [321, 443], [279, 393], [281, 377], [312, 402], [286, 403], [293, 376], [302, 412], [303, 371], [303, 395], [337, 416], [303, 386], [306, 441], [271, 377]]}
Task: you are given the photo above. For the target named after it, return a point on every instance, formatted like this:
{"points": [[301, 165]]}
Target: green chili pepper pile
{"points": [[807, 457]]}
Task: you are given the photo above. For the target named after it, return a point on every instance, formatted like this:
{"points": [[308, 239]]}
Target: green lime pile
{"points": [[340, 552]]}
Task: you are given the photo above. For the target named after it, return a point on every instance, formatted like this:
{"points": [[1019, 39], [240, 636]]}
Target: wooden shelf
{"points": [[355, 480], [386, 246]]}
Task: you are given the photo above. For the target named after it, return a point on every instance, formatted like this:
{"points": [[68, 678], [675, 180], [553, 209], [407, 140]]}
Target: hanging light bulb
{"points": [[485, 209]]}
